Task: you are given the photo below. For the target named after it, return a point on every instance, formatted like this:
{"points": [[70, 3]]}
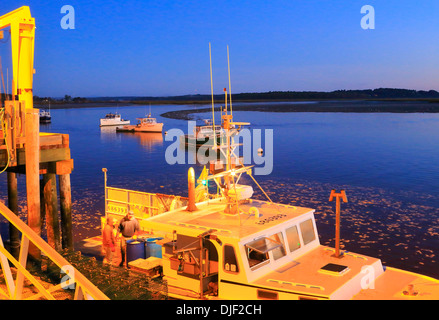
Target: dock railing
{"points": [[84, 289], [118, 202]]}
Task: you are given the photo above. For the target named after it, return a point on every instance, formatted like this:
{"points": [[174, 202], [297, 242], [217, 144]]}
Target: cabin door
{"points": [[198, 259]]}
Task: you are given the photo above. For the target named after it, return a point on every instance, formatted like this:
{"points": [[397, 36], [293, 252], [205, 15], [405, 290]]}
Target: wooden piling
{"points": [[14, 234], [32, 154], [65, 195], [51, 208]]}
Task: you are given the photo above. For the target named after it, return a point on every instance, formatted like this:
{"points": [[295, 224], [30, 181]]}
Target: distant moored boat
{"points": [[147, 124], [113, 119], [45, 116]]}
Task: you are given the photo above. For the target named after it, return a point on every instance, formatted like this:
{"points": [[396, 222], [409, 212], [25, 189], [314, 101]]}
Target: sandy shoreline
{"points": [[332, 106], [357, 106]]}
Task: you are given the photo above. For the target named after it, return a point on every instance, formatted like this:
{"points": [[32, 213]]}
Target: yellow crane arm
{"points": [[22, 29]]}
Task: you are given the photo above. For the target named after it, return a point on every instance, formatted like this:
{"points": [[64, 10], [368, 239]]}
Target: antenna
{"points": [[3, 80], [211, 90], [230, 86]]}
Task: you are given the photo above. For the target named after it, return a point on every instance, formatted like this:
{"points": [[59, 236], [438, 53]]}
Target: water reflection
{"points": [[148, 140], [109, 134]]}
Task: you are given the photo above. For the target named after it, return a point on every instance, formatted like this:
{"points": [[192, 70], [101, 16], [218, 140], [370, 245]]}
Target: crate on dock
{"points": [[151, 266]]}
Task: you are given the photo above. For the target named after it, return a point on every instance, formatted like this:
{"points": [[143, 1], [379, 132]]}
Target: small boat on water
{"points": [[45, 116], [203, 135], [147, 124], [113, 119]]}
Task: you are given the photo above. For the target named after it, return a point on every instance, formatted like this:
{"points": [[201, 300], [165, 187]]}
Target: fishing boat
{"points": [[231, 246], [45, 116], [234, 247], [113, 119], [203, 135], [147, 124]]}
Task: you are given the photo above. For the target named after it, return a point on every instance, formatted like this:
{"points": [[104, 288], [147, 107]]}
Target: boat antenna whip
{"points": [[211, 91], [230, 86]]}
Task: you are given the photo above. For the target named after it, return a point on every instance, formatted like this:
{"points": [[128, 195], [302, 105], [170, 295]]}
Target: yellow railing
{"points": [[120, 201], [84, 289]]}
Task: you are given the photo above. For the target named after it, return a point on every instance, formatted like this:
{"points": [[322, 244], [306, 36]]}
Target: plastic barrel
{"points": [[135, 249], [153, 249]]}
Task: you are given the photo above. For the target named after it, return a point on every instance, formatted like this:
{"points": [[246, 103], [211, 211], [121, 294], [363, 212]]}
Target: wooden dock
{"points": [[54, 156]]}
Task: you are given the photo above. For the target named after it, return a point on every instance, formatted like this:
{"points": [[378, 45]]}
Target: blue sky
{"points": [[155, 48]]}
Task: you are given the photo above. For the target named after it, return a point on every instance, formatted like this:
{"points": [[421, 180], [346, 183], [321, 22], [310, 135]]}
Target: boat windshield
{"points": [[263, 245], [112, 116], [205, 129], [257, 250], [148, 120]]}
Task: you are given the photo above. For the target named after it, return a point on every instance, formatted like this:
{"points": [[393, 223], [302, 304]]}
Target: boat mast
{"points": [[227, 124], [230, 85], [211, 91]]}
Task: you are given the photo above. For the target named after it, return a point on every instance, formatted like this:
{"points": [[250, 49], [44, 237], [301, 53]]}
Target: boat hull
{"points": [[105, 123], [190, 140], [147, 129], [45, 119]]}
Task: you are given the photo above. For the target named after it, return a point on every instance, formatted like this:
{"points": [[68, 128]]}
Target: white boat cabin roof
{"points": [[211, 216]]}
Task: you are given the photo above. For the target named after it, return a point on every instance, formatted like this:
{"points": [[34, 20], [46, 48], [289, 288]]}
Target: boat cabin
{"points": [[147, 120], [112, 115], [268, 251], [207, 130]]}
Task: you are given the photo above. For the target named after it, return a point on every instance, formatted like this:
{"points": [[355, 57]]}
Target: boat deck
{"points": [[306, 278], [393, 284], [211, 216]]}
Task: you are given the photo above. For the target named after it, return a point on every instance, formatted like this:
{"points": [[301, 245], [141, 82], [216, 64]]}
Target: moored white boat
{"points": [[113, 119], [45, 116]]}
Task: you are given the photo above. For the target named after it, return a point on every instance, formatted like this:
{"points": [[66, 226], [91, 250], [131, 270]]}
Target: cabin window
{"points": [[230, 263], [255, 257], [278, 252], [293, 238], [257, 250], [307, 229]]}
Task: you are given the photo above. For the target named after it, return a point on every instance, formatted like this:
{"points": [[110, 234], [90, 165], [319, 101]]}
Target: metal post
{"points": [[201, 268], [104, 170], [337, 196]]}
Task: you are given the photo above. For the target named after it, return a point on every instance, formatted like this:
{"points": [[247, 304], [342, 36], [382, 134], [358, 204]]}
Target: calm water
{"points": [[387, 163]]}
